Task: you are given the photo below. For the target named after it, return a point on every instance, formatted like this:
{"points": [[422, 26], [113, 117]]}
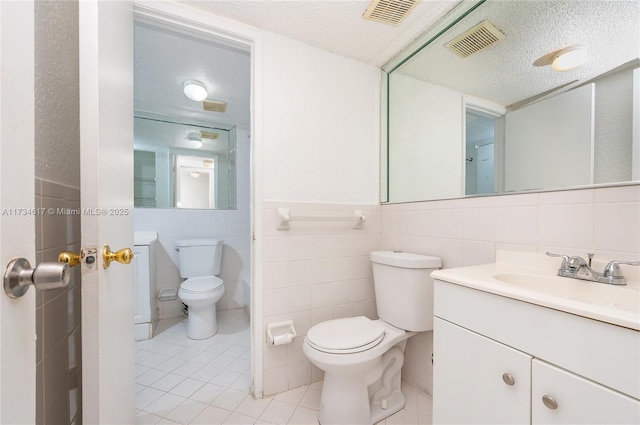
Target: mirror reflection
{"points": [[180, 165], [191, 94], [487, 107]]}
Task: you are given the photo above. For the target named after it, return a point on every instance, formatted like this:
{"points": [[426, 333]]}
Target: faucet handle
{"points": [[565, 259], [613, 269]]}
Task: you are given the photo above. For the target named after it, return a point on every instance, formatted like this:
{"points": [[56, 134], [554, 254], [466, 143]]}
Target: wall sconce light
{"points": [[195, 90], [569, 58]]}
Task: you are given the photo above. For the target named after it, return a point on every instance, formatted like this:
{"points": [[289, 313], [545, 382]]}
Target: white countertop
{"points": [[532, 278]]}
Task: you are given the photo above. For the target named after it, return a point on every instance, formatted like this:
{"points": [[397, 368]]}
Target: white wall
{"points": [[550, 143], [321, 125], [320, 150], [427, 158], [613, 127]]}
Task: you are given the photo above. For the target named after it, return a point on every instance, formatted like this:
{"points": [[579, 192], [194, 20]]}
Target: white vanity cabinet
{"points": [[587, 371], [478, 380], [578, 400]]}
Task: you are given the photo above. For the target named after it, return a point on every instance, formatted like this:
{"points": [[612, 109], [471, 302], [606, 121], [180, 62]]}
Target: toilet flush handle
{"points": [[123, 256]]}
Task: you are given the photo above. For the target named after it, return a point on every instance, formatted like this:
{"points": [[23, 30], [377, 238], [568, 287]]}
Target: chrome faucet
{"points": [[578, 268]]}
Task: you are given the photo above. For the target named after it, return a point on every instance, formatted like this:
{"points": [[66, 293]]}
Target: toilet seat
{"points": [[346, 336], [201, 284]]}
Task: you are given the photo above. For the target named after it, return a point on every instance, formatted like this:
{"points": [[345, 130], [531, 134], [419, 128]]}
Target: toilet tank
{"points": [[404, 288], [199, 257]]}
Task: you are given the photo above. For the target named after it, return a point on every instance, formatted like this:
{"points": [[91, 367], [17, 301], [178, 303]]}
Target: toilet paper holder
{"points": [[281, 333]]}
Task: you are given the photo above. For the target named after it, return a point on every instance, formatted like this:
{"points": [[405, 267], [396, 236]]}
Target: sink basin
{"points": [[597, 294], [531, 278]]}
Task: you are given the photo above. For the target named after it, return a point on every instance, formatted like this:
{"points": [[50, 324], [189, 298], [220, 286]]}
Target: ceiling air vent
{"points": [[477, 38], [214, 105], [208, 135], [389, 11]]}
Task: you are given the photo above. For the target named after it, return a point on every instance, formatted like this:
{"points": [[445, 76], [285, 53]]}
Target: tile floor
{"points": [[182, 381]]}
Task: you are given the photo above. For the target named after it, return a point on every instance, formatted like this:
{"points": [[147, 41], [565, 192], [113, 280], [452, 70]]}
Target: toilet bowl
{"points": [[199, 262], [362, 358], [201, 294], [377, 349]]}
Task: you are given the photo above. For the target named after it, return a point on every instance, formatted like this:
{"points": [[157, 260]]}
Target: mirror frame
{"points": [[459, 12]]}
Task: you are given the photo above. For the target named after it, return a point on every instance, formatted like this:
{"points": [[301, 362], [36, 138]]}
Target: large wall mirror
{"points": [[183, 165], [185, 148], [480, 104]]}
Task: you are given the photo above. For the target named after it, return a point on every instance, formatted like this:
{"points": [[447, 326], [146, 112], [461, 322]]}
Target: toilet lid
{"points": [[201, 284], [344, 336]]}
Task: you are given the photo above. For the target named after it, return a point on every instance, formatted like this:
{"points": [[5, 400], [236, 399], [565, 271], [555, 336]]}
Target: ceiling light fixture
{"points": [[194, 174], [195, 90], [194, 140], [569, 58]]}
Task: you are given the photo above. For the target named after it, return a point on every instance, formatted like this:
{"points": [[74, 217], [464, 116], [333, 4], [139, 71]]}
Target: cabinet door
{"points": [[578, 400], [142, 308], [468, 382]]}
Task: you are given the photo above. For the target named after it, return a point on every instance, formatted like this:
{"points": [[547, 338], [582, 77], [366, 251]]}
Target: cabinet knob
{"points": [[550, 402], [508, 379]]}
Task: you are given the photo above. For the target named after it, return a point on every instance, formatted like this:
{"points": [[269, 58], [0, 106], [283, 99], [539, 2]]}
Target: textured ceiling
{"points": [[163, 60], [333, 25], [508, 72], [504, 73]]}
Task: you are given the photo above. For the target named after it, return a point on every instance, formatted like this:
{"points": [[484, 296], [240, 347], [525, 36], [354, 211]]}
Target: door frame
{"points": [[182, 17]]}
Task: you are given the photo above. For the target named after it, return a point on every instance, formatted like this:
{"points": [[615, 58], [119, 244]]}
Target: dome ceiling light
{"points": [[195, 90], [194, 140], [569, 58]]}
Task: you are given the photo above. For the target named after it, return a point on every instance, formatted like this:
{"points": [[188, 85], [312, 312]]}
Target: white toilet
{"points": [[362, 358], [200, 261]]}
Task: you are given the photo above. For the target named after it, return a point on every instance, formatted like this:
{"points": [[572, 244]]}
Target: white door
{"points": [[485, 169], [106, 140], [17, 222]]}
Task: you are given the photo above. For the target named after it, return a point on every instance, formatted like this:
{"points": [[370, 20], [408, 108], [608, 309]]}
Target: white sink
{"points": [[532, 278], [610, 296]]}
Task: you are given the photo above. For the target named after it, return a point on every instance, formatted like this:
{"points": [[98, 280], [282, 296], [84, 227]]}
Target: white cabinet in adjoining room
{"points": [[145, 290]]}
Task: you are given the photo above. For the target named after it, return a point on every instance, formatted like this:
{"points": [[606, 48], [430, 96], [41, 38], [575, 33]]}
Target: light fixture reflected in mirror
{"points": [[569, 58], [195, 90], [194, 140]]}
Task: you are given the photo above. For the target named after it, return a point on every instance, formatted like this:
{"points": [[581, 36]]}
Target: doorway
{"points": [[482, 135], [171, 370]]}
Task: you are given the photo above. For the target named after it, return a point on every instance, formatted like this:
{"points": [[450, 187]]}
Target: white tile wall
{"points": [[466, 232], [174, 224], [313, 272]]}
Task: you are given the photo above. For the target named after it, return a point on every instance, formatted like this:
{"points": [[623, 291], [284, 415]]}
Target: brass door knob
{"points": [[124, 256], [69, 258]]}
